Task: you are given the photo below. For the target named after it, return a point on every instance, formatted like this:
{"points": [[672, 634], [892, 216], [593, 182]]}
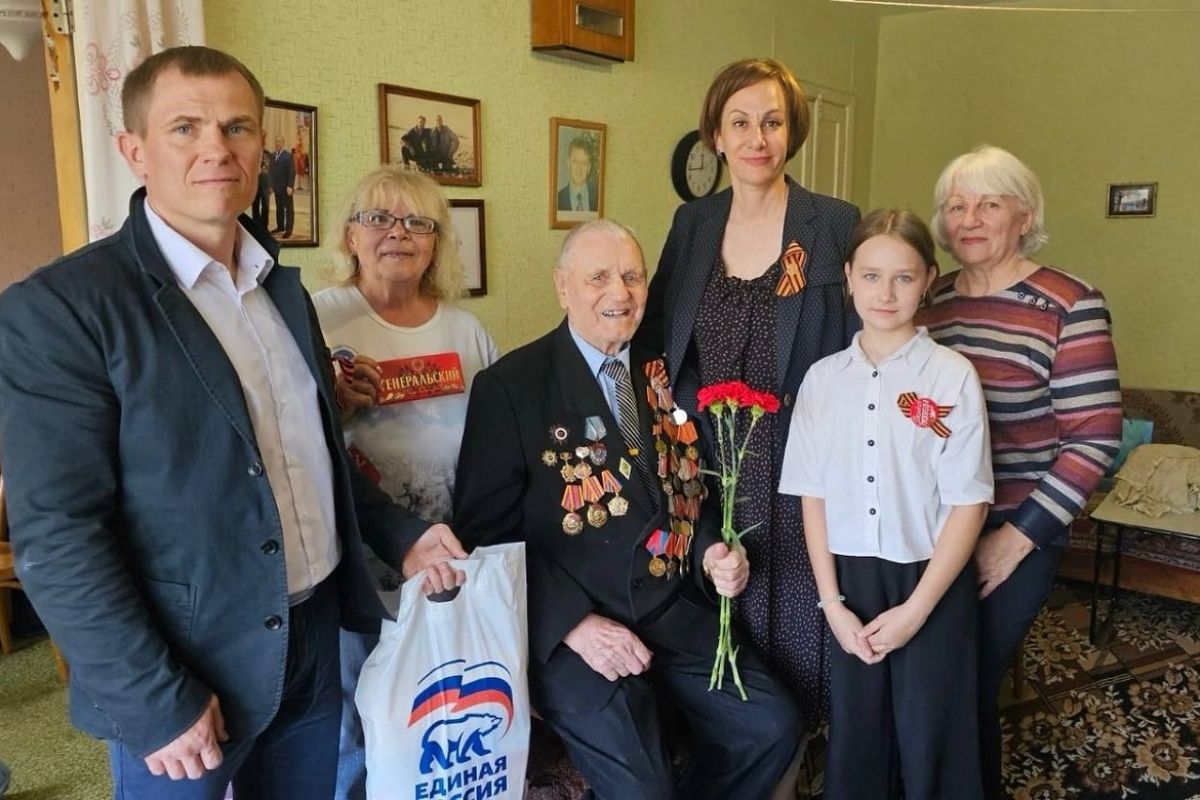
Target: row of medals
{"points": [[584, 487], [680, 476]]}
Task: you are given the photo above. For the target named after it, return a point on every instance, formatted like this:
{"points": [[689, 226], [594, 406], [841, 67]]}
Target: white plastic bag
{"points": [[444, 698]]}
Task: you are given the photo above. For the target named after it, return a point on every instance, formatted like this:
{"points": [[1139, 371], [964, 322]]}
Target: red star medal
{"points": [[924, 412]]}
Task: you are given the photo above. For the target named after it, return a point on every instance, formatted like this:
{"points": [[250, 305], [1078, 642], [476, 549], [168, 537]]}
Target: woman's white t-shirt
{"points": [[412, 446]]}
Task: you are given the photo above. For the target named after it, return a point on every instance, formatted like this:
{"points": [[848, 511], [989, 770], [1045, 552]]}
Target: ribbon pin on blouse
{"points": [[792, 281]]}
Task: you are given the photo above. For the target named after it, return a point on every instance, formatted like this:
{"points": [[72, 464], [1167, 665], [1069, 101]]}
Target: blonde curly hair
{"points": [[382, 188]]}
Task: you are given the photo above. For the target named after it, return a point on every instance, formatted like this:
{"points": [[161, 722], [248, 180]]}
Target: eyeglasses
{"points": [[383, 221]]}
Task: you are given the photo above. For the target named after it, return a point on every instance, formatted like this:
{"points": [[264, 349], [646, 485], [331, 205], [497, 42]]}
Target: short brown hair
{"points": [[900, 223], [747, 72], [189, 60]]}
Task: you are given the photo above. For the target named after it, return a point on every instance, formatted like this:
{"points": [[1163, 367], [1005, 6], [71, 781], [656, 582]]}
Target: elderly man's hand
{"points": [[608, 647], [728, 568], [436, 546]]}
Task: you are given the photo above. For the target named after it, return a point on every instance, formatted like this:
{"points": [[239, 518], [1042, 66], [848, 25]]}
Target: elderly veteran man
{"points": [[562, 451]]}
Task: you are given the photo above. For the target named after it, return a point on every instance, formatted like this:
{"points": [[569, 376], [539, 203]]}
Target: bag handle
{"points": [[493, 566]]}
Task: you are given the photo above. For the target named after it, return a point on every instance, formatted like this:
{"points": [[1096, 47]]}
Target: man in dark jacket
{"points": [[564, 450], [182, 512]]}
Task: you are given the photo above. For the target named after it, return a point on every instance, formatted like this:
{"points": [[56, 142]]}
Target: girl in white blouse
{"points": [[889, 450]]}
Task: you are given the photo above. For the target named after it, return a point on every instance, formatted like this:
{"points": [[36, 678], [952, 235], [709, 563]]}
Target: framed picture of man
{"points": [[286, 201], [439, 134], [576, 171]]}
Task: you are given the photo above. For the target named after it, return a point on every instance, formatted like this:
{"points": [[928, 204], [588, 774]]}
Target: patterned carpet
{"points": [[1109, 723], [1120, 722]]}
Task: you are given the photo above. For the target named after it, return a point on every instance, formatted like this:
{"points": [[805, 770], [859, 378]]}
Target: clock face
{"points": [[703, 170], [695, 170]]}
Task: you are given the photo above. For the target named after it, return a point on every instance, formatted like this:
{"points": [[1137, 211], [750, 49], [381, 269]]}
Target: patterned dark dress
{"points": [[735, 339]]}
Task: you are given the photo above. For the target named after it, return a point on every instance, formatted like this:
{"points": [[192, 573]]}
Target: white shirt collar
{"points": [[188, 262], [915, 351], [594, 357]]}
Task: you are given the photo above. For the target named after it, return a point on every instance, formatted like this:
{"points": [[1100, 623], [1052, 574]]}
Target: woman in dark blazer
{"points": [[749, 287]]}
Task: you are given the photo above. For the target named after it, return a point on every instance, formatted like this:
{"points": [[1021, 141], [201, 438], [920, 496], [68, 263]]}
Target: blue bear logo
{"points": [[451, 742]]}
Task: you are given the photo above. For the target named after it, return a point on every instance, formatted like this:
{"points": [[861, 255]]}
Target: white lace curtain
{"points": [[111, 38]]}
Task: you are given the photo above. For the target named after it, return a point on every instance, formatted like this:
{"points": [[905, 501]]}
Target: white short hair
{"points": [[992, 170], [611, 227]]}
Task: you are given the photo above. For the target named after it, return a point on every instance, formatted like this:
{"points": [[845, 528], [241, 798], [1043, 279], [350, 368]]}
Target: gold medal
{"points": [[660, 446], [568, 473], [596, 515], [687, 469], [572, 524], [549, 458], [618, 506], [658, 567], [583, 470], [691, 452]]}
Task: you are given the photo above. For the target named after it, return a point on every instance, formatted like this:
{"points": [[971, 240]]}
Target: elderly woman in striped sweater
{"points": [[1041, 341]]}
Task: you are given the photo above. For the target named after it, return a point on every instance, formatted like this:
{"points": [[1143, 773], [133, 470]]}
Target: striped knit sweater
{"points": [[1044, 353]]}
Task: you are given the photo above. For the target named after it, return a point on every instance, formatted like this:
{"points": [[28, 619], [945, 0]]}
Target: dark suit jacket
{"points": [[809, 326], [143, 524], [567, 203], [504, 491], [283, 170]]}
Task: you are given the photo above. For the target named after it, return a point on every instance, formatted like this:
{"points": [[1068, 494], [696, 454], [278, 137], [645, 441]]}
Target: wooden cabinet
{"points": [[585, 30]]}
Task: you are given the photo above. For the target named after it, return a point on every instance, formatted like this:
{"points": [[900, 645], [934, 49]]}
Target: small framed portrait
{"points": [[439, 134], [1132, 199], [286, 201], [467, 216], [576, 171]]}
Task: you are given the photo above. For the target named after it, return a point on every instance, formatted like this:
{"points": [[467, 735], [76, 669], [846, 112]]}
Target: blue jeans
{"points": [[295, 757], [352, 756]]}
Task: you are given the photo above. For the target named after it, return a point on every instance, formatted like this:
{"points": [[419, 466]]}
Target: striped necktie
{"points": [[627, 417]]}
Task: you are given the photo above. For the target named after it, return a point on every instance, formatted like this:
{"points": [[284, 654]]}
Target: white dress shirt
{"points": [[595, 359], [280, 394], [888, 482]]}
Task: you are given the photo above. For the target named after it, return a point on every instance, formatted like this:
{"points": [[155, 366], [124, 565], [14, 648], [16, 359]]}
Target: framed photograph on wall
{"points": [[286, 202], [1132, 199], [576, 171], [436, 133], [467, 216]]}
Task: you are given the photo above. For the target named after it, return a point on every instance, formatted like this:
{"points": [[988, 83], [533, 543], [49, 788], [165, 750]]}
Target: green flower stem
{"points": [[731, 456]]}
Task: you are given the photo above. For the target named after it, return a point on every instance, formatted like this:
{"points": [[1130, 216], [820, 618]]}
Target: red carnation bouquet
{"points": [[724, 401]]}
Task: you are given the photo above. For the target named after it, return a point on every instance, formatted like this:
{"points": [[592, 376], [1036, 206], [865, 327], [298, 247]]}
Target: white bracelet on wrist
{"points": [[828, 601]]}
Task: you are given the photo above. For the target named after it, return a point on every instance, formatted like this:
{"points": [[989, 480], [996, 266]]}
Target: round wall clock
{"points": [[695, 170]]}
